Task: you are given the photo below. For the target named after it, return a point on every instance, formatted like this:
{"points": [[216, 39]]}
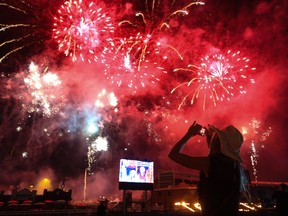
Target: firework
{"points": [[20, 28], [83, 31], [218, 78], [254, 160], [85, 184], [43, 91], [89, 119], [106, 99], [255, 134], [100, 144], [95, 145], [145, 49], [133, 68]]}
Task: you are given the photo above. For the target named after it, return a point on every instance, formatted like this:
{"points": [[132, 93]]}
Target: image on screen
{"points": [[136, 171]]}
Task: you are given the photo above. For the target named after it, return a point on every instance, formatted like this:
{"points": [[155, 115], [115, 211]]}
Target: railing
{"points": [[90, 212]]}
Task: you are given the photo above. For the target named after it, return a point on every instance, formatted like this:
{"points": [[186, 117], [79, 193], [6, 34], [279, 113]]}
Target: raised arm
{"points": [[198, 163]]}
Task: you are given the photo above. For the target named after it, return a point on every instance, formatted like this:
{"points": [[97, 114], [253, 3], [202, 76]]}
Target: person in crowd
{"points": [[101, 209], [221, 173], [281, 198]]}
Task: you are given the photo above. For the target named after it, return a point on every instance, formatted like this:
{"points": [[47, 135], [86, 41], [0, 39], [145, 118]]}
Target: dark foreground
{"points": [[90, 212]]}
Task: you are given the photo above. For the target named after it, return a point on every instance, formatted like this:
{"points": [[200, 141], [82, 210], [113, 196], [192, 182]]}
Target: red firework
{"points": [[83, 31], [132, 67], [218, 78], [140, 56]]}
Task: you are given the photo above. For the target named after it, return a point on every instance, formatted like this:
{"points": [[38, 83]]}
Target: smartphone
{"points": [[202, 131]]}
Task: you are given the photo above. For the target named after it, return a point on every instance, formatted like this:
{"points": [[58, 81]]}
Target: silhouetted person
{"points": [[265, 200], [221, 172], [101, 209], [281, 197]]}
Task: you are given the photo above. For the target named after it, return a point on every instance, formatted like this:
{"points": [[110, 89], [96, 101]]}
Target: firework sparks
{"points": [[218, 78], [83, 31], [104, 98], [13, 7], [42, 91], [90, 120], [131, 72], [21, 28], [100, 144], [254, 159], [146, 48], [94, 146], [255, 134]]}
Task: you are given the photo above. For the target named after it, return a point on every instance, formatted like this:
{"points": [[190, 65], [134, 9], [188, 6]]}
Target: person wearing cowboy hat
{"points": [[220, 172]]}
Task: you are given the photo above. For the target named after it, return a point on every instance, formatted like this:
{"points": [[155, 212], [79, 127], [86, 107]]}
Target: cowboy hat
{"points": [[231, 141]]}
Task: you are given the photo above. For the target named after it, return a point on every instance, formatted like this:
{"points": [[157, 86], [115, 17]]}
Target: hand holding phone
{"points": [[195, 129]]}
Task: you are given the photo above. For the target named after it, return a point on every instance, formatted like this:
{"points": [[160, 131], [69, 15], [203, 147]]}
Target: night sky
{"points": [[142, 72]]}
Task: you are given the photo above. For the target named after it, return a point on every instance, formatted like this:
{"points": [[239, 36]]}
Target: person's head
{"points": [[283, 186], [227, 141], [142, 170]]}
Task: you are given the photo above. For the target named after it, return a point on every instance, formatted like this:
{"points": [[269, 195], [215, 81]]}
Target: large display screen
{"points": [[136, 174]]}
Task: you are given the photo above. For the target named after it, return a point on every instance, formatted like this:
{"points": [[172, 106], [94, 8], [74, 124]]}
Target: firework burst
{"points": [[83, 31], [43, 91], [134, 69], [97, 145], [145, 49], [218, 78], [105, 98], [88, 122]]}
